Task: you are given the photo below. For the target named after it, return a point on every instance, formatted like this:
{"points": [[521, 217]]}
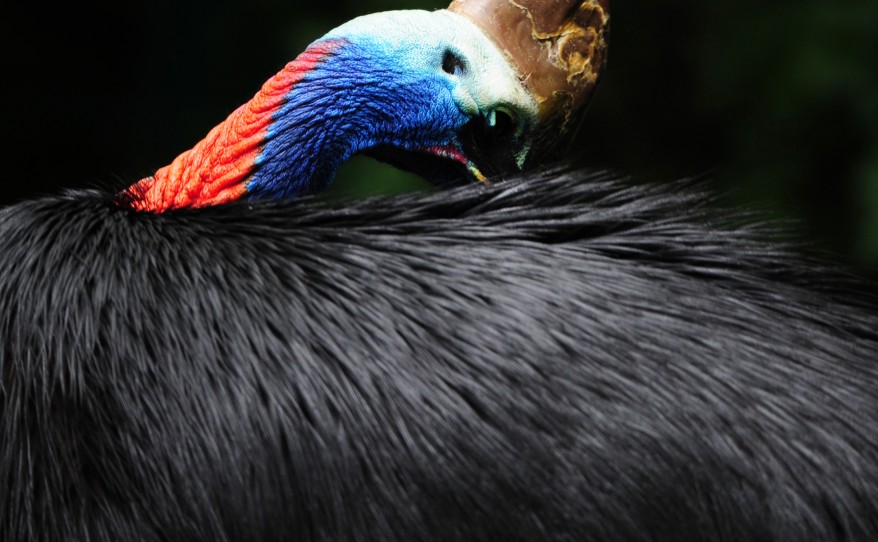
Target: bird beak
{"points": [[558, 50], [456, 153]]}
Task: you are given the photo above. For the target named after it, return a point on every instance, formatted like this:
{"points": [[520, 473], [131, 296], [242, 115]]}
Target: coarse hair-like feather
{"points": [[558, 357]]}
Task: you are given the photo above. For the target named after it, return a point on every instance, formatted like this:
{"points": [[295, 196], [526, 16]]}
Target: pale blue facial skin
{"points": [[387, 83]]}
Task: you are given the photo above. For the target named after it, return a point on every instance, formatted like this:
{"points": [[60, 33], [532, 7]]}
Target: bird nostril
{"points": [[452, 64]]}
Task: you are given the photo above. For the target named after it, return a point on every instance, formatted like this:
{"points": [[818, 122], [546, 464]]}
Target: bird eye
{"points": [[504, 124], [452, 64]]}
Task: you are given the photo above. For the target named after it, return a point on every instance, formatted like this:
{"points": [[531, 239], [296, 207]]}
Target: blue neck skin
{"points": [[360, 97]]}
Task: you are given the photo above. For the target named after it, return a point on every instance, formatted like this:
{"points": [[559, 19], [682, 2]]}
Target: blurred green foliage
{"points": [[777, 101], [780, 98]]}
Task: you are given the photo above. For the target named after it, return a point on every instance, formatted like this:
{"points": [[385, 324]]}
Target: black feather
{"points": [[560, 357]]}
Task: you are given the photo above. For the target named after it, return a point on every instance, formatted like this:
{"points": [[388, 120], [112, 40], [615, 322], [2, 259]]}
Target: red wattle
{"points": [[216, 169]]}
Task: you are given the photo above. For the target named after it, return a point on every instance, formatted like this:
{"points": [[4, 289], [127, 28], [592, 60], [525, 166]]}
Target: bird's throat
{"points": [[217, 169]]}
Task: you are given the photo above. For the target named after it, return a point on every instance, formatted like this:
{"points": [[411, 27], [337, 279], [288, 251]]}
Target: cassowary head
{"points": [[434, 85], [426, 91]]}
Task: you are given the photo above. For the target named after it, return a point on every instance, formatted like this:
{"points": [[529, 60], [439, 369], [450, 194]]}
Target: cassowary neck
{"points": [[265, 146]]}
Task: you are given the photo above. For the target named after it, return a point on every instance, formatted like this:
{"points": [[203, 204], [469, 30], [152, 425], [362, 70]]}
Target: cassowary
{"points": [[555, 357]]}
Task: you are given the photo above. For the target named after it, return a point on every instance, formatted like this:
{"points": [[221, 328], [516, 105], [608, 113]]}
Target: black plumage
{"points": [[557, 357]]}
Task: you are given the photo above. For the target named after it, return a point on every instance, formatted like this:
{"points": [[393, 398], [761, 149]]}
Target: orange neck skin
{"points": [[217, 168]]}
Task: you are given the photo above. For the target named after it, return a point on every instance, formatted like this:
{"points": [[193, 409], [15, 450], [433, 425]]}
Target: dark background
{"points": [[779, 101]]}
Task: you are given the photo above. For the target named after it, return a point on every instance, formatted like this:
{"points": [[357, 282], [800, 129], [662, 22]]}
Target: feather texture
{"points": [[560, 357]]}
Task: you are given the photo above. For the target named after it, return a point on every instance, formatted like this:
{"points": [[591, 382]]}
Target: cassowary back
{"points": [[560, 357]]}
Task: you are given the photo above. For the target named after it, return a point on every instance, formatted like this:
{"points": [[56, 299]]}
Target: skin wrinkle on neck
{"points": [[357, 101], [217, 168], [342, 98]]}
